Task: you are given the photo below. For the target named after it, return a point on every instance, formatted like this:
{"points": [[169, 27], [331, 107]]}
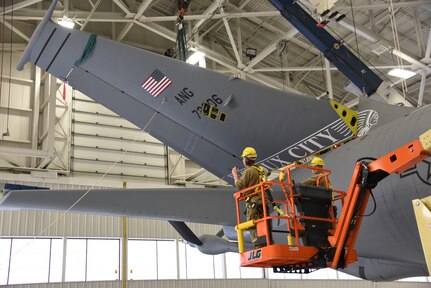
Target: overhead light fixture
{"points": [[66, 22], [250, 53], [196, 57], [401, 73]]}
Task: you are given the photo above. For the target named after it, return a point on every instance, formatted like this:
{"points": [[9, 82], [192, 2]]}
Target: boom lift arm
{"points": [[335, 51], [336, 251], [365, 177]]}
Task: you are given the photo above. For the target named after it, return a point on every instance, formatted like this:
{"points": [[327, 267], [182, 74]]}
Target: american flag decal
{"points": [[156, 83]]}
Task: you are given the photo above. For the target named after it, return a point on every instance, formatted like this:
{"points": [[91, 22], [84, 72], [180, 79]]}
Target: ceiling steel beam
{"points": [[270, 48], [427, 55], [422, 89], [258, 21], [361, 31], [304, 68], [352, 103], [412, 60], [66, 5], [209, 11], [125, 30], [232, 43], [90, 14], [123, 7], [276, 30], [16, 31], [159, 30], [306, 73], [36, 14], [243, 4], [328, 79], [419, 34], [19, 5], [385, 6], [142, 8], [215, 16], [214, 56], [144, 5]]}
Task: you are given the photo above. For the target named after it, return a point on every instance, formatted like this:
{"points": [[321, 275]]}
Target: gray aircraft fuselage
{"points": [[390, 233], [282, 126]]}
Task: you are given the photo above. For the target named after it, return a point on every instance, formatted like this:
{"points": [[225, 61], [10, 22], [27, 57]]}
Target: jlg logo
{"points": [[255, 255]]}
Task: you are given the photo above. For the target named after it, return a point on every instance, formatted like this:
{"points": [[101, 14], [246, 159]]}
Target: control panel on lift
{"points": [[315, 236]]}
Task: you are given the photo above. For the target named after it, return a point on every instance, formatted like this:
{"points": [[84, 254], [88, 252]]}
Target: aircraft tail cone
{"points": [[25, 56]]}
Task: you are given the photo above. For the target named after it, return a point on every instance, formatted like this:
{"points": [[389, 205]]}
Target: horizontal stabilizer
{"points": [[179, 204]]}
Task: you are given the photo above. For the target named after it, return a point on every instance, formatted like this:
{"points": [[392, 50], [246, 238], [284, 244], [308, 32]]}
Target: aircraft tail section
{"points": [[373, 114], [206, 116]]}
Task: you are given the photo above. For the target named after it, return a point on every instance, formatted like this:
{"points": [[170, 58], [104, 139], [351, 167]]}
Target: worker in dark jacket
{"points": [[252, 175], [318, 178]]}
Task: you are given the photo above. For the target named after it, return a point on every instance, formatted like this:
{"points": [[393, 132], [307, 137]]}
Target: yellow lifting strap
{"points": [[349, 116], [422, 208]]}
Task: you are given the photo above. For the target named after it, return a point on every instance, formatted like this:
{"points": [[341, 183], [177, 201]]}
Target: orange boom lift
{"points": [[316, 238]]}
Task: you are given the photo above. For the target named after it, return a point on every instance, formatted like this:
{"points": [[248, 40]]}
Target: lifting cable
{"points": [[283, 73], [2, 51], [357, 46], [323, 73], [282, 51], [369, 64], [10, 73]]}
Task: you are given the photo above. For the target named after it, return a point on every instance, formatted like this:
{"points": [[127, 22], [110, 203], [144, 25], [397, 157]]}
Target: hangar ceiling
{"points": [[151, 24]]}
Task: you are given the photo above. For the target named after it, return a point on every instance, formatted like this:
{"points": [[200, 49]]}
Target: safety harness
{"points": [[263, 176]]}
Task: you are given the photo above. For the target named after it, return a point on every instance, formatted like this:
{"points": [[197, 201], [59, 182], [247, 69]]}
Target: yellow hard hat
{"points": [[317, 161], [250, 153]]}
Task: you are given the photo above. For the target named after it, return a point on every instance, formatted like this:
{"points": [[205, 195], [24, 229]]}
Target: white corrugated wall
{"points": [[255, 283], [57, 224]]}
